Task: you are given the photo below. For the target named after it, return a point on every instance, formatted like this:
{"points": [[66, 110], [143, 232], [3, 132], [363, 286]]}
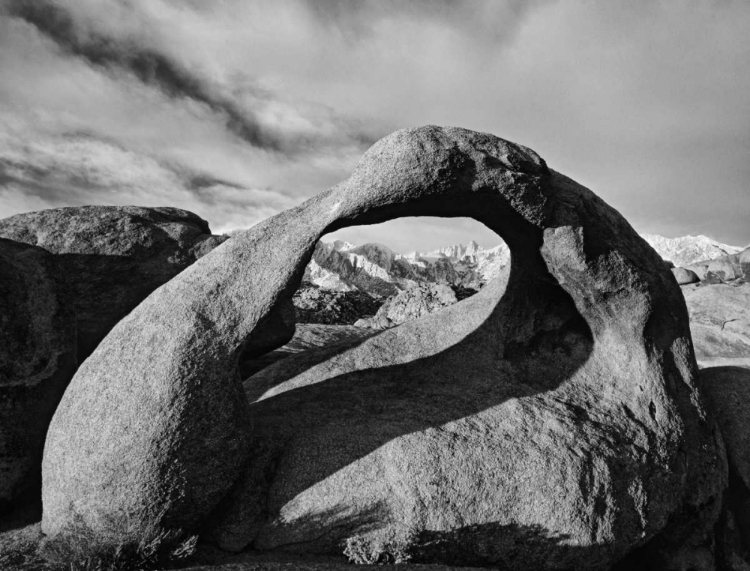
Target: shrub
{"points": [[80, 549], [366, 551]]}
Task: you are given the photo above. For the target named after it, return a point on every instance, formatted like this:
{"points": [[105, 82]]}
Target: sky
{"points": [[239, 109]]}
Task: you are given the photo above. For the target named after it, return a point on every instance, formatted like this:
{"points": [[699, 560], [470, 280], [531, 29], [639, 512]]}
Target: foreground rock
{"points": [[552, 421], [728, 392], [37, 360], [316, 305], [720, 323], [412, 303], [113, 256], [308, 337]]}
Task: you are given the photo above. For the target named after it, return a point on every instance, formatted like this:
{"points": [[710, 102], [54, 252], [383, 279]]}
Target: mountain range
{"points": [[378, 270]]}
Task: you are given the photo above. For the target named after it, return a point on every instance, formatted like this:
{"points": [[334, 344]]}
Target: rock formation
{"points": [[744, 259], [720, 323], [685, 277], [308, 337], [37, 359], [412, 303], [552, 421], [113, 256], [727, 391], [316, 305], [719, 270]]}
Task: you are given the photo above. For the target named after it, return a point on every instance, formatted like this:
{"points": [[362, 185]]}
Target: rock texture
{"points": [[316, 305], [744, 259], [728, 392], [113, 256], [552, 421], [412, 303], [685, 277], [307, 337], [720, 323], [720, 270], [37, 360]]}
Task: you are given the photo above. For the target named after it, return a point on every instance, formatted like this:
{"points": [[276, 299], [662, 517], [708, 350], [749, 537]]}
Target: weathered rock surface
{"points": [[727, 391], [307, 338], [316, 305], [552, 421], [720, 270], [744, 258], [684, 276], [113, 256], [411, 303], [720, 323], [37, 360]]}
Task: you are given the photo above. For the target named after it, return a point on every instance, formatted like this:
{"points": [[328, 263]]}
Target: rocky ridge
{"points": [[687, 250], [378, 270]]}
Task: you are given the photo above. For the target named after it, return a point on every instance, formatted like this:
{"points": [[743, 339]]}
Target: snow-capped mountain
{"points": [[376, 269], [687, 250]]}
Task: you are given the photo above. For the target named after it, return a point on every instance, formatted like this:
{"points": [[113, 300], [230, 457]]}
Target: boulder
{"points": [[313, 304], [727, 391], [37, 360], [744, 259], [411, 303], [685, 276], [113, 256], [551, 421], [720, 270], [720, 323]]}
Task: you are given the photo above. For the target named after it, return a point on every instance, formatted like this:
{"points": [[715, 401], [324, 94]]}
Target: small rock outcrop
{"points": [[412, 303], [552, 421], [684, 276], [313, 304], [113, 256], [720, 270], [720, 323], [37, 360], [744, 259]]}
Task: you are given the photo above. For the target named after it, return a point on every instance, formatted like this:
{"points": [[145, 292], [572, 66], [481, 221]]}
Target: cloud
{"points": [[484, 21], [127, 54], [79, 169], [643, 102]]}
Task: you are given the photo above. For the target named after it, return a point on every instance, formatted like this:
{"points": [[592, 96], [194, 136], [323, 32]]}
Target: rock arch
{"points": [[585, 339]]}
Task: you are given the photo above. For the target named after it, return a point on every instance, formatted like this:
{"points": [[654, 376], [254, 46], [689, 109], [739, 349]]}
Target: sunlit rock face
{"points": [[720, 323], [551, 421]]}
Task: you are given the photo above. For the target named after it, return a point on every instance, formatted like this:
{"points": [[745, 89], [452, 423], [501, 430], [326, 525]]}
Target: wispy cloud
{"points": [[79, 169], [152, 68]]}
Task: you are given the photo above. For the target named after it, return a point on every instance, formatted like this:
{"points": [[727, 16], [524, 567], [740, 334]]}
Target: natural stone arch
{"points": [[154, 427]]}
